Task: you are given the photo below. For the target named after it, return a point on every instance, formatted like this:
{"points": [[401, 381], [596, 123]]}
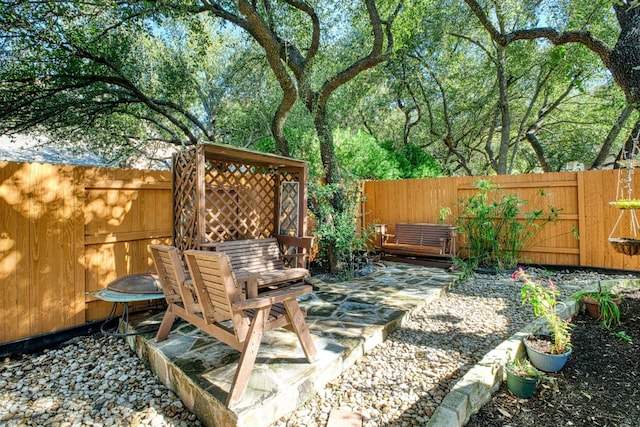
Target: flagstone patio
{"points": [[346, 320]]}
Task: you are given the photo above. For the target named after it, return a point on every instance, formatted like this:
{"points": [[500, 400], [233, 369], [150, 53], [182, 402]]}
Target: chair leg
{"points": [[167, 323], [299, 326], [248, 356]]}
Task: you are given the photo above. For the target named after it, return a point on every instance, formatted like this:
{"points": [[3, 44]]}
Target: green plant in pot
{"points": [[547, 353], [522, 377], [602, 305]]}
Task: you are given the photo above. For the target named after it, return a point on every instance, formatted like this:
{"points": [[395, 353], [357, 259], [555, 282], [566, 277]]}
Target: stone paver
{"points": [[346, 320]]}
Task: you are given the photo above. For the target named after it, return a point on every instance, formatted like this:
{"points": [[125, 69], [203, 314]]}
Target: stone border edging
{"points": [[476, 387]]}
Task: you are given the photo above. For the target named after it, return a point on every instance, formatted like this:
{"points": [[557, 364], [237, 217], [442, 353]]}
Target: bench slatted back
{"points": [[254, 255], [216, 289]]}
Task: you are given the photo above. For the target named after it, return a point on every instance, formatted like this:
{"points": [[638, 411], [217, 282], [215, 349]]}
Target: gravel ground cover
{"points": [[90, 381], [402, 381], [97, 381]]}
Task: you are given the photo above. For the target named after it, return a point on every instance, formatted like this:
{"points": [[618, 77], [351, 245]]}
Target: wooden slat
{"points": [[14, 240], [255, 255], [127, 185], [127, 236]]}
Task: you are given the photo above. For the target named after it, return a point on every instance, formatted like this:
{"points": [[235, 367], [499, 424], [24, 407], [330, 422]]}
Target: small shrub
{"points": [[498, 230], [337, 233]]}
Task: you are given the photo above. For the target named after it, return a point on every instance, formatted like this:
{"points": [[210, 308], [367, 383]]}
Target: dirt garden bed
{"points": [[597, 387]]}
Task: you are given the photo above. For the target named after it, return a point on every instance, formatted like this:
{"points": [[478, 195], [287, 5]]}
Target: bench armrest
{"points": [[248, 283], [274, 297], [387, 238], [295, 248], [303, 242], [298, 255]]}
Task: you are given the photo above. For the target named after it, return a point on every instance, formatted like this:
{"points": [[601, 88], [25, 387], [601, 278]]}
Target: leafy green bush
{"points": [[497, 231], [336, 232], [361, 155]]}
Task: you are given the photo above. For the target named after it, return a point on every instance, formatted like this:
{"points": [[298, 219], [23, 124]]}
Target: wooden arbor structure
{"points": [[223, 193]]}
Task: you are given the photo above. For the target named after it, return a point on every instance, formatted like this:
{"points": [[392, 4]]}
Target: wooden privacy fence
{"points": [[69, 230], [583, 198]]}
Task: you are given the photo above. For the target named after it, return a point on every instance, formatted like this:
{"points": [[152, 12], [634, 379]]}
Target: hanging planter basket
{"points": [[625, 246], [626, 243], [629, 243]]}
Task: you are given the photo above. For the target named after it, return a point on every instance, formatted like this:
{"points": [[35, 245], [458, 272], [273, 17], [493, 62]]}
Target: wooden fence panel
{"points": [[14, 240], [415, 200], [42, 284], [583, 198], [71, 230], [126, 211], [600, 218]]}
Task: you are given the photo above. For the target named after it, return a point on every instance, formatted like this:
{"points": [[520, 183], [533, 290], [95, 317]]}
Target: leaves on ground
{"points": [[597, 387]]}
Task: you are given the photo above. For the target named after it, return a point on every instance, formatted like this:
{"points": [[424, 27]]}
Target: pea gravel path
{"points": [[97, 381]]}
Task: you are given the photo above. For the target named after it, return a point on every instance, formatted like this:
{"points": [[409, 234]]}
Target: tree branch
{"points": [[375, 57]]}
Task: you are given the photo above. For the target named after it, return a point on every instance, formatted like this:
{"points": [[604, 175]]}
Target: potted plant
{"points": [[522, 377], [602, 304], [548, 353]]}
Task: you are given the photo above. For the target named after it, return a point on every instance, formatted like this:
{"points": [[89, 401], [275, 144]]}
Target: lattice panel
{"points": [[185, 196], [289, 221], [238, 197], [289, 197], [221, 214], [240, 201], [259, 204]]}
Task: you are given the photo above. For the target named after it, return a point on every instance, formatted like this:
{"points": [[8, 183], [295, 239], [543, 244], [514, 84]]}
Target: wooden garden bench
{"points": [[214, 295], [264, 257], [420, 240]]}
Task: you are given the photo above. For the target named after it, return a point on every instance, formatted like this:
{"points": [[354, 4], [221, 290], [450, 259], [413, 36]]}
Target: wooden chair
{"points": [[175, 282], [220, 297]]}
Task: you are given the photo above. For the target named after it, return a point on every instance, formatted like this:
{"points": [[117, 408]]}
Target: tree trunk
{"points": [[611, 137], [624, 61], [632, 145], [333, 178], [327, 149], [537, 148], [505, 115], [279, 120]]}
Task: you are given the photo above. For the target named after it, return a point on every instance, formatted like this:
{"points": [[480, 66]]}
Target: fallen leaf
{"points": [[504, 412]]}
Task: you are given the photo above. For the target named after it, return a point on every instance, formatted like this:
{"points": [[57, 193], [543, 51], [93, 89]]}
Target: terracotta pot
{"points": [[592, 308]]}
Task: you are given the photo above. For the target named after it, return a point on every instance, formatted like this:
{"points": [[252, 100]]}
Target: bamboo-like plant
{"points": [[498, 230], [544, 301]]}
